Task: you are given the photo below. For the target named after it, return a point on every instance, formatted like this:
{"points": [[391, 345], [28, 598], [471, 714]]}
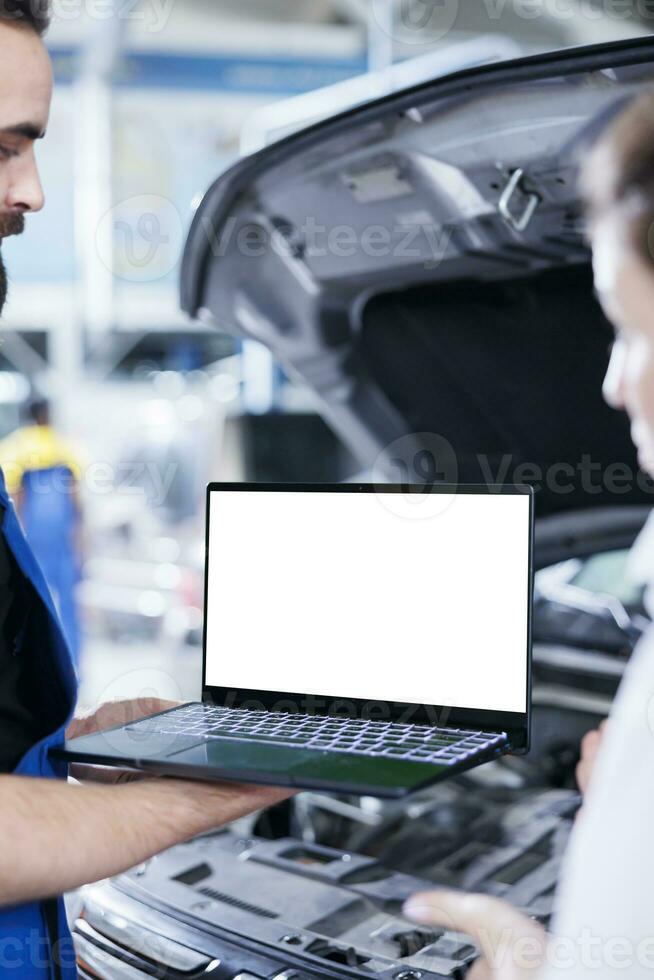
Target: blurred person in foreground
{"points": [[42, 476], [604, 922], [55, 836]]}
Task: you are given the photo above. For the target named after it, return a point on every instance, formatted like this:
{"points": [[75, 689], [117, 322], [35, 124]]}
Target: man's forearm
{"points": [[55, 836]]}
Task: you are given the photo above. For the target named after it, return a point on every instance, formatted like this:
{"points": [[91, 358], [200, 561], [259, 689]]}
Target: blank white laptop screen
{"points": [[370, 595]]}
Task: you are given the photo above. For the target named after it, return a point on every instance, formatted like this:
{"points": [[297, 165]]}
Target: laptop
{"points": [[359, 638]]}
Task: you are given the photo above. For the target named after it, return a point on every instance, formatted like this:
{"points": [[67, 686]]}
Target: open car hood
{"points": [[419, 263]]}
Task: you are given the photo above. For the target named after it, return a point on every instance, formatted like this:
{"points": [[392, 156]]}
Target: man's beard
{"points": [[10, 224], [3, 284]]}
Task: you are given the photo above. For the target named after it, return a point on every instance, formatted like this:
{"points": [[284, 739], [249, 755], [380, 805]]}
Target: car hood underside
{"points": [[420, 264]]}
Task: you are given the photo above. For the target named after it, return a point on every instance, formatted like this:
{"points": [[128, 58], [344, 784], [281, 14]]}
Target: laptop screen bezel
{"points": [[517, 725]]}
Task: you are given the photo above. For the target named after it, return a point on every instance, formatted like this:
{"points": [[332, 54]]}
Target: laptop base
{"points": [[224, 759]]}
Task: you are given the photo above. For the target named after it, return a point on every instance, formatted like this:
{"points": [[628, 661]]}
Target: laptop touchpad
{"points": [[238, 760]]}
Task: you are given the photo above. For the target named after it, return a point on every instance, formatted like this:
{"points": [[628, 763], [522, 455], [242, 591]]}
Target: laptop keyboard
{"points": [[418, 743]]}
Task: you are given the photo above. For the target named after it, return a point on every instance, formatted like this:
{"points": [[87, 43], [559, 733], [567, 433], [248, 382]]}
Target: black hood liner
{"points": [[511, 372]]}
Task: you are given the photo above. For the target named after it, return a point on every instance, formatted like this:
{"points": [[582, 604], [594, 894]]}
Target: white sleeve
{"points": [[604, 923]]}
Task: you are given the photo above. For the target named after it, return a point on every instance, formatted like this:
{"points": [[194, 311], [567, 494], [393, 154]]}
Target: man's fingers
{"points": [[441, 908], [255, 790], [146, 706], [243, 796], [476, 915], [590, 746], [493, 925], [479, 970], [590, 742]]}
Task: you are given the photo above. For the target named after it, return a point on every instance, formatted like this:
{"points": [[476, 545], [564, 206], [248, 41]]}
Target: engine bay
{"points": [[238, 905]]}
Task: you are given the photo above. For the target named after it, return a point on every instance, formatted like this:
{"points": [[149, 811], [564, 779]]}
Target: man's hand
{"points": [[511, 946], [590, 744], [63, 836], [116, 713], [220, 803], [107, 716]]}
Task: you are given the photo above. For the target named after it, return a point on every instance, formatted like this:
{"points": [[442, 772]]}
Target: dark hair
{"points": [[618, 174], [35, 14]]}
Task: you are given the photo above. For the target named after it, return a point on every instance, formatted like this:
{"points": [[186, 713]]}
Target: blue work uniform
{"points": [[34, 940], [44, 469], [49, 518]]}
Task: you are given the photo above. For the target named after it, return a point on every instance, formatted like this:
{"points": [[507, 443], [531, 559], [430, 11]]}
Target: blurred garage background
{"points": [[154, 98]]}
